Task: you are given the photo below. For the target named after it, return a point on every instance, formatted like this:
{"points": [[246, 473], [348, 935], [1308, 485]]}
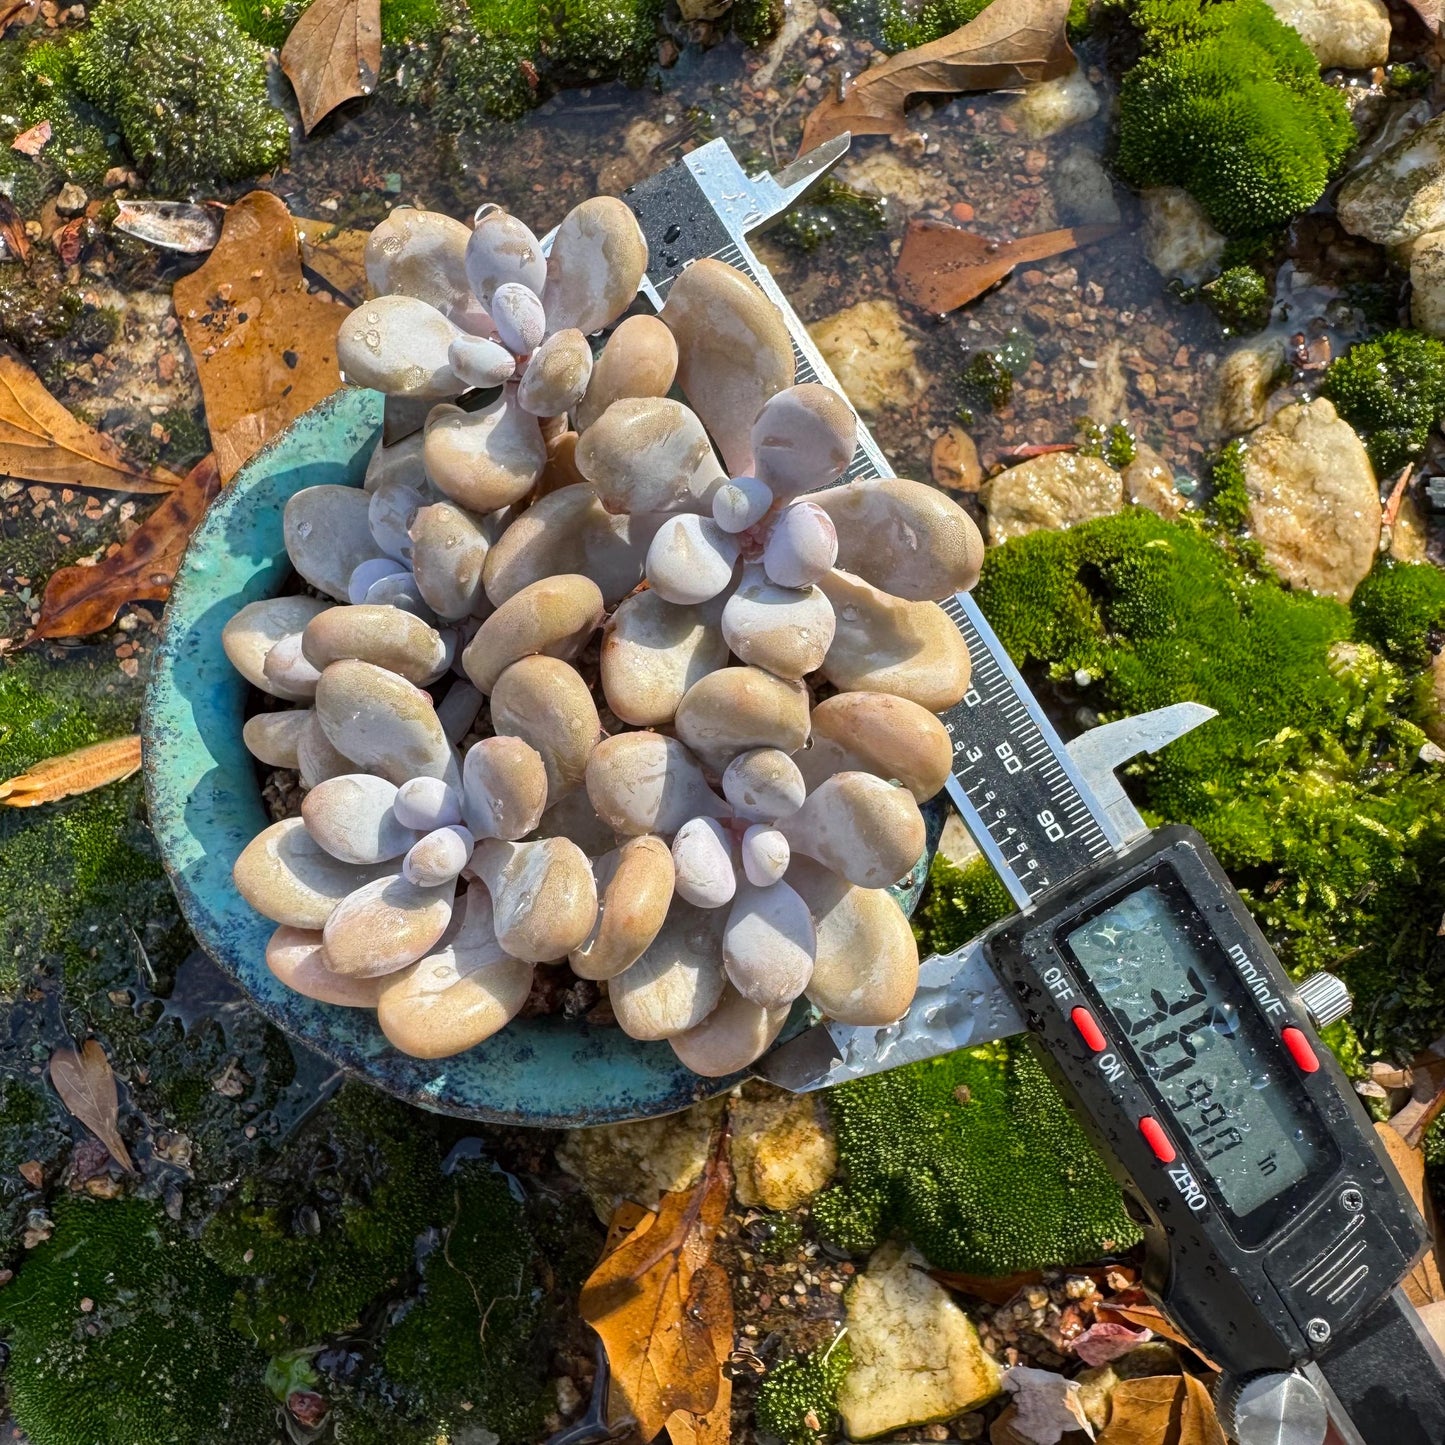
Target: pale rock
{"points": [[737, 708], [439, 857], [1178, 239], [677, 981], [888, 644], [518, 315], [1350, 34], [1083, 190], [568, 531], [389, 514], [426, 803], [557, 374], [1046, 1406], [769, 943], [884, 172], [860, 826], [871, 352], [545, 702], [294, 955], [480, 361], [739, 502], [288, 877], [904, 537], [272, 737], [1314, 503], [639, 359], [420, 254], [916, 1355], [555, 617], [781, 1147], [785, 630], [735, 1033], [399, 589], [804, 437], [502, 250], [369, 573], [1400, 195], [1149, 482], [802, 546], [634, 887], [328, 535], [875, 732], [1409, 537], [649, 454], [382, 722], [1242, 386], [399, 345], [1427, 283], [765, 854], [1050, 493], [702, 864], [691, 559], [764, 784], [354, 818], [543, 894], [249, 636], [449, 551], [459, 995], [733, 353], [387, 637], [504, 788], [484, 460], [642, 782], [1050, 106], [597, 262], [652, 652], [385, 925], [400, 462], [865, 972], [316, 759]]}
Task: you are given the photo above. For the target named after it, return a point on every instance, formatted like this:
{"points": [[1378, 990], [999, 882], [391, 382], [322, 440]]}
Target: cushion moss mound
{"points": [[118, 1335], [1391, 389]]}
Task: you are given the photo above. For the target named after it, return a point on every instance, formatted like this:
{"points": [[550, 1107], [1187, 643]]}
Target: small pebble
{"points": [[426, 804], [517, 314], [702, 857], [439, 857]]}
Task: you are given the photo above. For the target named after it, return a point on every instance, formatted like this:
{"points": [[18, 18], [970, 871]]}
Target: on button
{"points": [[1156, 1139]]}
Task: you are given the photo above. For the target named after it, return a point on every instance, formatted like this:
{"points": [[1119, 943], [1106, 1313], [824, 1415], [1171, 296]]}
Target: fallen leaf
{"points": [[661, 1304], [12, 229], [86, 768], [265, 349], [19, 12], [332, 54], [1034, 449], [86, 1086], [30, 142], [82, 600], [1047, 1406], [41, 442], [1423, 1284], [942, 266], [1144, 1315], [714, 1426], [994, 1289], [33, 1173], [174, 225], [1106, 1340], [1006, 45], [1425, 1080], [337, 256], [1162, 1410]]}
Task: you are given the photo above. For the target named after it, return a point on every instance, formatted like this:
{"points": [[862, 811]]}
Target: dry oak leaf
{"points": [[82, 600], [332, 54], [661, 1304], [264, 347], [29, 142], [86, 1085], [1423, 1284], [337, 256], [1162, 1410], [41, 442], [942, 266], [1133, 1308], [1011, 43], [82, 771]]}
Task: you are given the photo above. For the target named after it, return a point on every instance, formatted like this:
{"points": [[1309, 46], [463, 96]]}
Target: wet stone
{"points": [[328, 535]]}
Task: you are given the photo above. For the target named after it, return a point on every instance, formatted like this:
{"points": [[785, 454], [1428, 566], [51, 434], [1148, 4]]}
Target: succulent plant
{"points": [[702, 809]]}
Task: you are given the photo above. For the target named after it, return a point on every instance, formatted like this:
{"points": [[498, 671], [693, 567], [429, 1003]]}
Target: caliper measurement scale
{"points": [[1276, 1229]]}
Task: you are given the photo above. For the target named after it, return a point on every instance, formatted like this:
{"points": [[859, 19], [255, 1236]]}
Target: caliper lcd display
{"points": [[1203, 1043]]}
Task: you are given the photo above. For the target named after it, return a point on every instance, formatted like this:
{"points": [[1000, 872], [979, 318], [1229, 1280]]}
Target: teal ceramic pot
{"points": [[203, 790]]}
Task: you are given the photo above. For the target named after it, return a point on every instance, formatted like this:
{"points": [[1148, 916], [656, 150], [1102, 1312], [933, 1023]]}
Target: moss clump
{"points": [[1392, 391], [986, 382], [1400, 608], [1240, 298], [798, 1398], [1309, 785], [589, 40], [187, 88], [1229, 501], [1227, 102], [118, 1336], [832, 212], [38, 83], [755, 22], [1116, 443]]}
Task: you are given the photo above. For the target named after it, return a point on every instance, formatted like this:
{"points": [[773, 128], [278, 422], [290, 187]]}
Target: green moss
{"points": [[588, 40], [118, 1336], [32, 1127], [1308, 785], [1240, 297], [1392, 391], [1116, 443], [1229, 501], [187, 88], [755, 22], [469, 1348], [1227, 102], [832, 211], [902, 24], [959, 903], [798, 1398], [1400, 608], [38, 83]]}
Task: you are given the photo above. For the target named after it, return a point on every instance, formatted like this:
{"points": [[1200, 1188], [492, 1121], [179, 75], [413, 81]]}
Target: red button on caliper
{"points": [[1156, 1139], [1300, 1050], [1089, 1030]]}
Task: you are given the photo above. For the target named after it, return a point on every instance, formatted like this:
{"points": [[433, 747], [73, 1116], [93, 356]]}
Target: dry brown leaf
{"points": [[82, 600], [29, 142], [338, 257], [714, 1426], [82, 771], [660, 1304], [42, 442], [1148, 1317], [1006, 45], [265, 349], [1162, 1410], [86, 1086], [332, 54], [1423, 1284], [1425, 1080], [941, 266], [12, 229]]}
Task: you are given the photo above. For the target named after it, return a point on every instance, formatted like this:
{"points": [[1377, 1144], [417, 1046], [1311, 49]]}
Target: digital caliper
{"points": [[1276, 1229]]}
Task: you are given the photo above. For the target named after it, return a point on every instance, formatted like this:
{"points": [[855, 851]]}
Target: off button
{"points": [[1089, 1030], [1156, 1139]]}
